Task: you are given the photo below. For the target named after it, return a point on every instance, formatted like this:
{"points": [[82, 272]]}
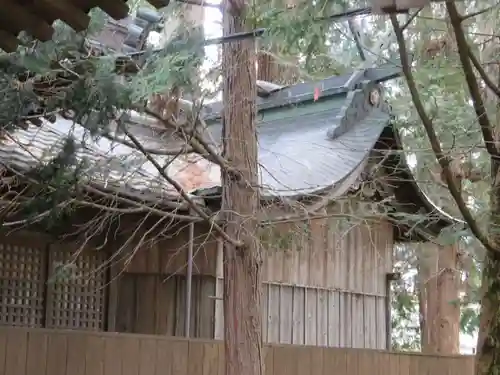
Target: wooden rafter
{"points": [[36, 16]]}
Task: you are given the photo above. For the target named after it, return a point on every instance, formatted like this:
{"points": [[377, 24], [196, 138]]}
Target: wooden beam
{"points": [[64, 10], [159, 3], [8, 42], [117, 9], [24, 19]]}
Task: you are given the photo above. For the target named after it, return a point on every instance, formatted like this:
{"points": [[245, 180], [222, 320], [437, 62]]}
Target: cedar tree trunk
{"points": [[268, 68], [488, 344], [240, 200], [439, 293]]}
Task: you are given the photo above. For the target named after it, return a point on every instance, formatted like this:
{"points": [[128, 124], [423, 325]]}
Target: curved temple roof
{"points": [[307, 146], [304, 148]]}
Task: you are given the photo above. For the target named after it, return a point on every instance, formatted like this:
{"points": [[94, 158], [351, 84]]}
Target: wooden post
{"points": [[189, 280]]}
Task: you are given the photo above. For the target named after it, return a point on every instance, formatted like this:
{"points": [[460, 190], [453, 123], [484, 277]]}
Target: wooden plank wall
{"points": [[335, 254], [155, 304], [339, 297], [151, 288], [316, 316], [45, 352], [169, 256]]}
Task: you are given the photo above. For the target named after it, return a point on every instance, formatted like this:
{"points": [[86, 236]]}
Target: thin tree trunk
{"points": [[240, 201]]}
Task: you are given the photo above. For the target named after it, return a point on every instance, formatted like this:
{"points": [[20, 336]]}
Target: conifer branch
{"points": [[443, 160]]}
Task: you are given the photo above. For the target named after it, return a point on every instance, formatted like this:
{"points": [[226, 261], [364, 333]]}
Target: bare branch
{"points": [[197, 142], [410, 19], [479, 12], [443, 160], [180, 190]]}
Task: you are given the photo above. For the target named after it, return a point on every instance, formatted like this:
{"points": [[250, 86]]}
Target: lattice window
{"points": [[76, 290], [22, 285]]}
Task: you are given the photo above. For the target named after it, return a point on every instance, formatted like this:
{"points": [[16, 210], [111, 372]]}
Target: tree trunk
{"points": [[440, 323], [240, 201], [488, 343], [449, 306], [268, 68], [428, 268]]}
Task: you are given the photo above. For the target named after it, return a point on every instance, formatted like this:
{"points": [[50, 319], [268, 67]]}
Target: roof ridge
{"points": [[305, 91]]}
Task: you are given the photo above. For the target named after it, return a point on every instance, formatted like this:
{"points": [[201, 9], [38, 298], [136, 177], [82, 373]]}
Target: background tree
{"points": [[459, 48]]}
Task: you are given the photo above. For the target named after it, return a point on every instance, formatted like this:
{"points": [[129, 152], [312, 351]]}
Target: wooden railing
{"points": [[49, 352]]}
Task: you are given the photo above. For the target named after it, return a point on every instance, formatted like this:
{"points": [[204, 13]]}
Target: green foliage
{"points": [[298, 32], [405, 326], [60, 75], [469, 320], [52, 187], [65, 76], [176, 65], [405, 321]]}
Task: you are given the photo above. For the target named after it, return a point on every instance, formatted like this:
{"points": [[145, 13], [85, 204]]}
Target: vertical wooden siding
{"points": [[335, 254], [155, 304], [319, 317], [152, 290], [322, 317], [169, 256], [339, 298], [45, 352]]}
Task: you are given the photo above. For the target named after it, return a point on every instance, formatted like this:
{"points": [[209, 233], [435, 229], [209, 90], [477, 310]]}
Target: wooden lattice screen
{"points": [[48, 286], [22, 285], [76, 290]]}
